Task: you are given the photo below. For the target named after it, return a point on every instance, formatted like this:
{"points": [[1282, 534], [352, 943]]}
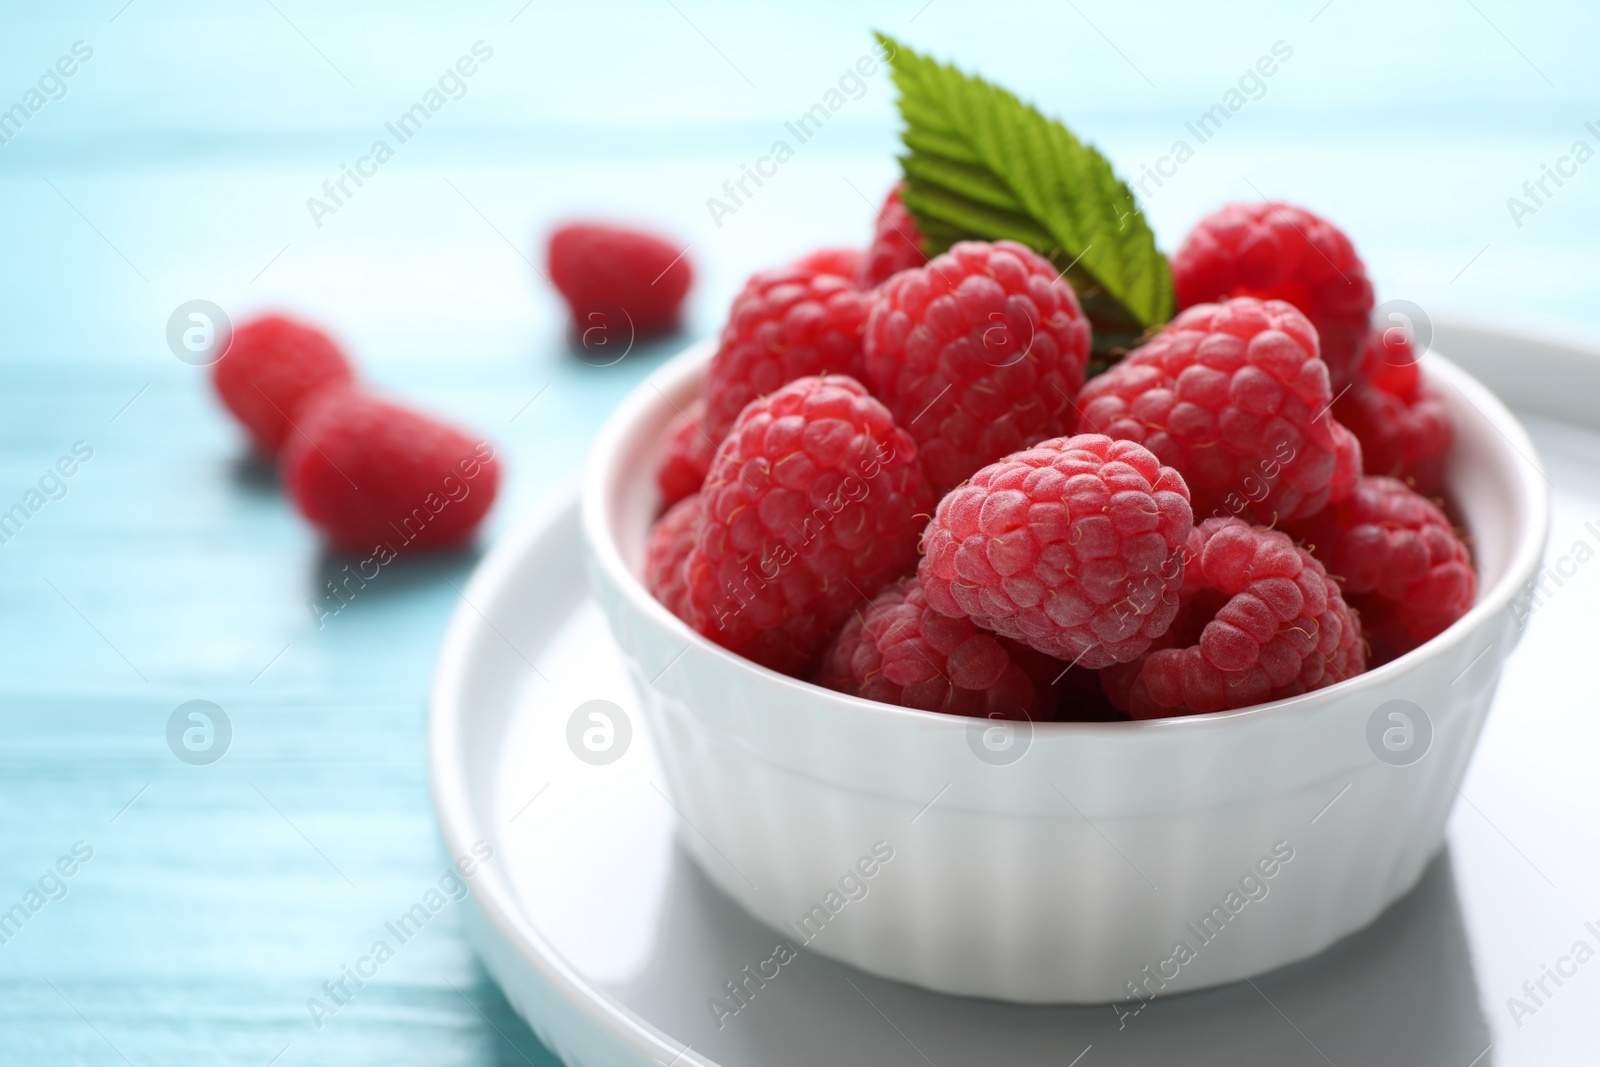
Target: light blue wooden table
{"points": [[208, 903]]}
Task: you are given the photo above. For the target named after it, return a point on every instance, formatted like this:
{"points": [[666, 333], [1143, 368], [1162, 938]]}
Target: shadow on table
{"points": [[255, 474], [600, 347], [347, 581], [1402, 991]]}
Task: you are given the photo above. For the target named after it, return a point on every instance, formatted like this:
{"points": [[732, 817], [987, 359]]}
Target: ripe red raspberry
{"points": [[689, 452], [667, 547], [1282, 252], [900, 651], [369, 472], [897, 244], [978, 354], [1068, 547], [272, 365], [1234, 396], [788, 323], [810, 509], [602, 270], [1259, 620], [1402, 565], [1404, 427], [844, 262], [1391, 363]]}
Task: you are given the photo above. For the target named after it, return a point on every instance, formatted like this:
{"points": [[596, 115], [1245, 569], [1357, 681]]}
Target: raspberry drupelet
{"points": [[1233, 396], [370, 472], [665, 551], [788, 323], [896, 243], [272, 366], [1400, 561], [810, 509], [1403, 425], [978, 354], [843, 262], [1259, 619], [689, 451], [900, 651], [602, 270], [1068, 547], [1281, 252]]}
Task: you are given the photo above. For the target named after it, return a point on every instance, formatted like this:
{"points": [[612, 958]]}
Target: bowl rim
{"points": [[682, 372]]}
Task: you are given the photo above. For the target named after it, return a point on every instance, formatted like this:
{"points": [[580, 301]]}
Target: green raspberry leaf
{"points": [[982, 165]]}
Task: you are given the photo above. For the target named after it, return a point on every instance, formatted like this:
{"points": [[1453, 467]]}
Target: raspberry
{"points": [[810, 508], [1068, 547], [1258, 620], [978, 354], [272, 365], [900, 651], [788, 323], [844, 262], [602, 270], [1281, 252], [1402, 565], [689, 453], [1389, 362], [668, 546], [1404, 427], [1234, 396], [896, 243], [372, 473]]}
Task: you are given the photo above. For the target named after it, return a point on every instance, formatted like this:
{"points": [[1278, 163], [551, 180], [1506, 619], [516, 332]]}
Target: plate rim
{"points": [[454, 810]]}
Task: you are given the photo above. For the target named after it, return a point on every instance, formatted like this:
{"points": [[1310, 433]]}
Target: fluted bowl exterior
{"points": [[1064, 862]]}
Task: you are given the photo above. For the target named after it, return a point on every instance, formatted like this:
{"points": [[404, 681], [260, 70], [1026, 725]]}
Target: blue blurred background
{"points": [[175, 165]]}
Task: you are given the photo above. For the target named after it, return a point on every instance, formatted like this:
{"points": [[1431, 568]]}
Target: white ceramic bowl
{"points": [[1064, 862]]}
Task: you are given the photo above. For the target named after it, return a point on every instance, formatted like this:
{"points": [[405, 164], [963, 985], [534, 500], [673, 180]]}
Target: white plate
{"points": [[608, 939]]}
